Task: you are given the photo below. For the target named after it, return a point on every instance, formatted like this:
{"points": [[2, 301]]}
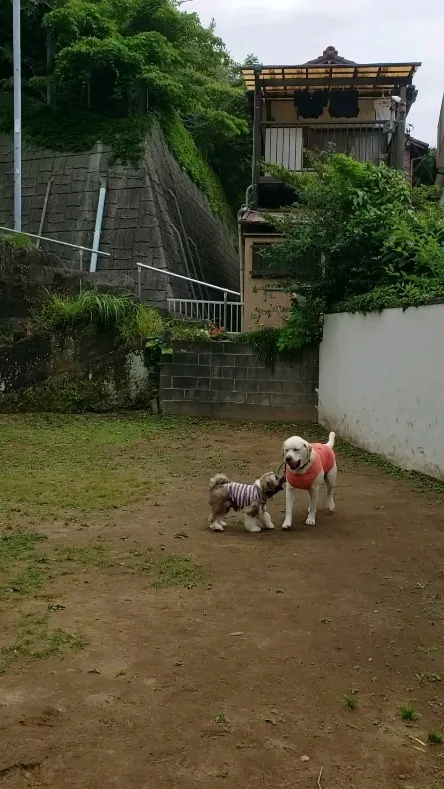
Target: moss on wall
{"points": [[75, 376], [185, 151], [75, 130]]}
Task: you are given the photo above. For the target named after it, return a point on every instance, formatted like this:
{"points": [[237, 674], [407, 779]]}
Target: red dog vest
{"points": [[324, 462]]}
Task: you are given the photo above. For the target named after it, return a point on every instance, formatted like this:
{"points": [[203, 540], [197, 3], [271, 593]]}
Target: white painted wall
{"points": [[381, 384]]}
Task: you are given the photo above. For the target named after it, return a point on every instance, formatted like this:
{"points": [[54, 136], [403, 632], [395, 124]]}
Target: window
{"points": [[262, 267]]}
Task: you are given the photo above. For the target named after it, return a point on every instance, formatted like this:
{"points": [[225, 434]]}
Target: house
{"points": [[327, 103]]}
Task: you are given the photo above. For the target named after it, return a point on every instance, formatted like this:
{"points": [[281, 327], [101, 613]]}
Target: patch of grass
{"points": [[408, 714], [92, 555], [427, 676], [85, 462], [16, 240], [351, 700], [172, 570], [434, 738], [25, 582], [22, 569], [144, 322], [16, 545], [220, 717], [36, 641], [88, 306], [177, 571]]}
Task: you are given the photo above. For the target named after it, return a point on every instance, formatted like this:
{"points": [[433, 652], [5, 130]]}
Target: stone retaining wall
{"points": [[141, 216]]}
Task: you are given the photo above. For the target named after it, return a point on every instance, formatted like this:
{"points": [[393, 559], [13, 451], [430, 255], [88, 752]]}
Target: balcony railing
{"points": [[288, 145]]}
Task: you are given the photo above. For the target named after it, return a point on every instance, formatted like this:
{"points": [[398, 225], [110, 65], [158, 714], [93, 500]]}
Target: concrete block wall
{"points": [[140, 220], [381, 384], [226, 380]]}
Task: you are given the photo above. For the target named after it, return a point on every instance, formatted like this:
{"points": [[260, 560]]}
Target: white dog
{"points": [[306, 466]]}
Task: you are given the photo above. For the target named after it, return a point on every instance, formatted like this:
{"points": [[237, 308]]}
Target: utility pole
{"points": [[17, 116]]}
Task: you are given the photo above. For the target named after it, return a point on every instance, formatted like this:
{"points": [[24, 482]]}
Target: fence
{"points": [[226, 314], [222, 313]]}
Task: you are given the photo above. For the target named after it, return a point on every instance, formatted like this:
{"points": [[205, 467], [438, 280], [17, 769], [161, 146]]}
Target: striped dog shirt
{"points": [[242, 495]]}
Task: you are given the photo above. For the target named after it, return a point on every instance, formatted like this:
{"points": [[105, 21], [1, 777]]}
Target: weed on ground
{"points": [[408, 713], [36, 640], [22, 568], [172, 571]]}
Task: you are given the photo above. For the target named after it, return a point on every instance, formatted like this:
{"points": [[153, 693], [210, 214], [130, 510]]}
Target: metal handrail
{"points": [[206, 301], [55, 241], [189, 279]]}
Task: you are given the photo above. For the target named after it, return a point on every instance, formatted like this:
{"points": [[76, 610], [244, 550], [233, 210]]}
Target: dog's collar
{"points": [[299, 468]]}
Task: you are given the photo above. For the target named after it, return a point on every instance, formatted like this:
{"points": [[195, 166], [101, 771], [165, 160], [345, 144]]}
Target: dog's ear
{"points": [[283, 448], [268, 483], [309, 449]]}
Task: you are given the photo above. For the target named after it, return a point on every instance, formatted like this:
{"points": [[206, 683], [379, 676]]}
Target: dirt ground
{"points": [[139, 650]]}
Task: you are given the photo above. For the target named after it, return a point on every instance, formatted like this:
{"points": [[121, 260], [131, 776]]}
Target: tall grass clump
{"points": [[144, 322], [90, 306]]}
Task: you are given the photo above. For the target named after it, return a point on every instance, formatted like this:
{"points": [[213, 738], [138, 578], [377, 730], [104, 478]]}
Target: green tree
{"points": [[121, 58], [358, 234]]}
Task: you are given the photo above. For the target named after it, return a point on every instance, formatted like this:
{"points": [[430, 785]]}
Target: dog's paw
{"points": [[223, 523], [286, 525], [216, 526], [269, 525], [331, 506], [310, 521], [253, 529]]}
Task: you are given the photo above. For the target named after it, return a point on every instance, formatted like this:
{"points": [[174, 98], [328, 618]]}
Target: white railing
{"points": [[222, 313], [59, 243], [226, 314]]}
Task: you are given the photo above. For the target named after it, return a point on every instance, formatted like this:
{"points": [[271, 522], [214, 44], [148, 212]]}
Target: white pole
{"points": [[17, 116]]}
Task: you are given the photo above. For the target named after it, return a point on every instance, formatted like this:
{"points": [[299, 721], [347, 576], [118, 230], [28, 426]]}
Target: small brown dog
{"points": [[226, 495]]}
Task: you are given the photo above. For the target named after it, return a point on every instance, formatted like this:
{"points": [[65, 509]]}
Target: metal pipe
{"points": [[201, 271], [241, 257], [55, 241], [184, 232], [98, 227], [80, 269], [17, 116], [45, 206], [187, 268], [225, 308], [180, 276], [256, 150], [139, 287]]}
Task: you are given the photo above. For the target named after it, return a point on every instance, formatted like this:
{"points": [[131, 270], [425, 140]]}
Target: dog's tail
{"points": [[331, 440], [218, 479]]}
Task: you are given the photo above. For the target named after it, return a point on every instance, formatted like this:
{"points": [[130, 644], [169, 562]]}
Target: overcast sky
{"points": [[366, 31]]}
